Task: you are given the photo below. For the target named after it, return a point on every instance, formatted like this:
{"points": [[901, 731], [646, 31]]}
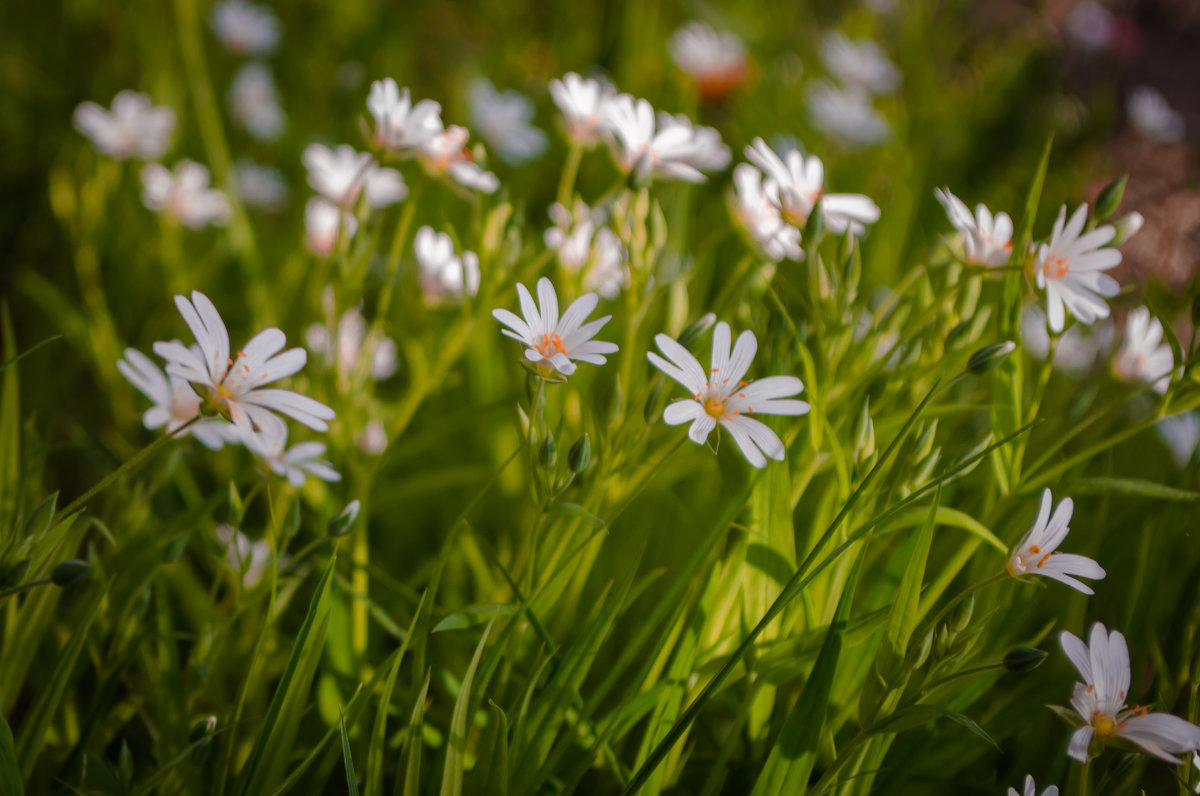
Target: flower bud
{"points": [[548, 451], [941, 643], [989, 357], [1024, 659], [579, 458], [1109, 199], [962, 615], [814, 228], [697, 328], [919, 654], [70, 573], [341, 523], [201, 735], [1127, 226], [864, 433]]}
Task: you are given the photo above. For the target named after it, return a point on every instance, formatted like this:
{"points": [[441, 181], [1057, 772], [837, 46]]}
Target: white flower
{"points": [[798, 183], [175, 403], [986, 238], [444, 275], [669, 146], [503, 119], [607, 271], [1030, 789], [233, 386], [346, 345], [760, 216], [372, 440], [1181, 434], [1103, 663], [400, 125], [583, 246], [322, 220], [1069, 268], [721, 396], [339, 174], [716, 61], [554, 342], [1153, 116], [446, 155], [134, 127], [1091, 25], [262, 187], [1141, 357], [255, 102], [244, 556], [245, 28], [1074, 352], [582, 103], [295, 463], [846, 114], [184, 194], [1035, 553], [859, 64]]}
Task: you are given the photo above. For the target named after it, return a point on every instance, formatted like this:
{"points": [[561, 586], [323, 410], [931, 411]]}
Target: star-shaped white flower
{"points": [[846, 114], [295, 463], [859, 63], [1030, 789], [235, 386], [760, 216], [1069, 268], [504, 120], [444, 275], [339, 174], [664, 146], [401, 126], [133, 128], [582, 103], [245, 28], [446, 155], [721, 396], [323, 222], [796, 184], [1181, 434], [556, 342], [716, 61], [1103, 663], [1036, 553], [175, 402], [184, 194], [987, 238], [1144, 356], [255, 102]]}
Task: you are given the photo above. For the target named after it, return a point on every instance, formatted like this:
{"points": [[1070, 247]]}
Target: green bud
{"points": [[814, 228], [548, 452], [71, 572], [919, 654], [15, 573], [1024, 659], [989, 357], [697, 328], [579, 458], [125, 762], [974, 452], [941, 642], [957, 332], [237, 509], [962, 615], [341, 523], [925, 441], [201, 735], [890, 665], [864, 432], [924, 468], [174, 548], [1110, 198]]}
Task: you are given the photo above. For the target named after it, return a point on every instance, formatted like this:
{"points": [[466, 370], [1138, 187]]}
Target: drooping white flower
{"points": [[1074, 352], [1069, 268], [846, 114], [584, 246], [245, 28], [234, 386], [1036, 553], [716, 61], [556, 343], [1091, 26], [987, 239], [504, 120], [582, 103], [761, 218], [1103, 664], [323, 222], [295, 463], [175, 403], [133, 128], [401, 126], [859, 63], [1153, 116], [340, 174], [446, 155], [184, 194], [249, 558], [720, 396], [372, 439], [1030, 789], [798, 183], [1144, 356], [261, 187], [443, 274], [667, 146], [254, 101], [347, 343], [1181, 434]]}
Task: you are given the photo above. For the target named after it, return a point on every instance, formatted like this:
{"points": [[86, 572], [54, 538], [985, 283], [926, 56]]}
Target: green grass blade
{"points": [[490, 775], [10, 772], [12, 360], [351, 779], [10, 434], [906, 608], [378, 747], [414, 745], [456, 743]]}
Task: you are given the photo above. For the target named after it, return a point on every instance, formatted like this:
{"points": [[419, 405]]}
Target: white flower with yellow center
{"points": [[859, 63], [760, 217], [443, 274], [134, 127], [446, 155], [1144, 356], [340, 174], [295, 463], [721, 396], [716, 61], [504, 120], [184, 194], [1030, 789], [175, 402], [556, 342], [797, 183], [986, 238], [665, 146], [245, 28], [401, 126], [1069, 268], [582, 102], [1036, 553]]}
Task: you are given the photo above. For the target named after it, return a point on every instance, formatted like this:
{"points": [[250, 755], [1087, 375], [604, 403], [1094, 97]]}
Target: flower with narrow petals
{"points": [[1153, 116], [556, 343], [401, 126], [668, 146], [444, 275], [846, 114], [796, 184], [1030, 789], [175, 403], [721, 396], [347, 343], [987, 239], [859, 63], [233, 387], [446, 155], [261, 187], [323, 222], [133, 128], [1069, 268], [582, 103], [1099, 701], [246, 557], [503, 119], [760, 216], [184, 194], [254, 101], [245, 28], [1181, 434], [716, 61], [295, 463], [340, 174], [1035, 553], [1141, 357]]}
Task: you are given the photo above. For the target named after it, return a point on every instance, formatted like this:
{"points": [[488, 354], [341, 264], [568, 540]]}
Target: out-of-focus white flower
{"points": [[345, 346], [1030, 789], [443, 274], [1127, 226], [1103, 664], [1035, 553], [716, 61], [295, 463], [1090, 25], [1181, 434], [1069, 267], [503, 119], [859, 64], [555, 343], [399, 125], [846, 114], [245, 28], [721, 396], [175, 403], [1153, 116], [760, 217], [585, 246], [255, 102], [262, 187], [1074, 352], [667, 146], [607, 271], [1144, 356], [323, 222], [339, 174], [372, 439], [446, 155], [249, 558], [234, 385], [798, 183], [184, 194], [987, 239], [133, 128], [582, 103]]}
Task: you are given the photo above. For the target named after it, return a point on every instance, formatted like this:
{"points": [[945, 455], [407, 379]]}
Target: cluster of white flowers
{"points": [[444, 275], [844, 109], [248, 29], [584, 245]]}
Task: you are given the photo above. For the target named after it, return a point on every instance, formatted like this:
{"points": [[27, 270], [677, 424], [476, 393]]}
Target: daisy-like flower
{"points": [[1035, 553], [401, 126], [175, 403], [503, 119], [323, 221], [184, 194], [796, 184], [721, 396], [716, 61], [247, 557], [1074, 353], [846, 114], [860, 64], [1069, 268], [261, 187], [1181, 434], [255, 102], [1153, 116], [295, 463], [556, 343], [760, 217], [133, 128], [345, 346], [1141, 357], [234, 386], [1099, 700], [1030, 789], [245, 28], [667, 146], [987, 238], [582, 103], [340, 174], [444, 275], [446, 155]]}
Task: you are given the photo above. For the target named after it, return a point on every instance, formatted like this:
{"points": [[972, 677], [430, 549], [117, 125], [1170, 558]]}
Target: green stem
{"points": [[566, 184], [948, 607], [20, 587], [1036, 405]]}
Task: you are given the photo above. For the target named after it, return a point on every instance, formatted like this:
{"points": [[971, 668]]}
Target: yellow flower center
{"points": [[1103, 724], [715, 407]]}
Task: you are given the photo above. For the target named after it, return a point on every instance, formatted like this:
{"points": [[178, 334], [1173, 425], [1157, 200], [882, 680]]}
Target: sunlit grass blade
{"points": [[456, 742], [489, 777], [414, 745], [347, 758], [378, 748]]}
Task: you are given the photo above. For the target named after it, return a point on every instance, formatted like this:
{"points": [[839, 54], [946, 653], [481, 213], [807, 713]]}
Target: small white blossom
{"points": [[796, 184], [1030, 789], [295, 463], [254, 101], [1144, 356], [175, 402], [556, 342], [846, 114], [446, 155], [399, 125], [987, 239], [1181, 434], [262, 187], [245, 28], [760, 217], [503, 119], [443, 274], [340, 174], [345, 346], [607, 271], [584, 246], [582, 103], [323, 222], [667, 146], [859, 64], [372, 439], [133, 128], [1036, 553], [184, 194], [1153, 116], [249, 558], [1074, 353], [716, 61], [1069, 267]]}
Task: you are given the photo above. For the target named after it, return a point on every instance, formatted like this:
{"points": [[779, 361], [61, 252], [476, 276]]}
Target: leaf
{"points": [[471, 616], [378, 747], [1132, 486], [351, 779], [10, 773], [578, 511], [10, 432], [906, 609], [456, 743], [490, 775], [956, 519], [12, 360], [916, 715], [413, 744]]}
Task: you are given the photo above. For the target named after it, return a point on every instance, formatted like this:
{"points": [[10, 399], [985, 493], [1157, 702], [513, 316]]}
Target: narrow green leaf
{"points": [[916, 715], [954, 518], [10, 431], [906, 610], [413, 744], [456, 743], [471, 616], [578, 511], [12, 360], [378, 747], [10, 772], [351, 779], [1132, 486], [490, 775]]}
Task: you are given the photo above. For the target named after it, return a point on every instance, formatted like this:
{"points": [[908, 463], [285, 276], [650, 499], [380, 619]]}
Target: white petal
{"points": [[682, 411]]}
